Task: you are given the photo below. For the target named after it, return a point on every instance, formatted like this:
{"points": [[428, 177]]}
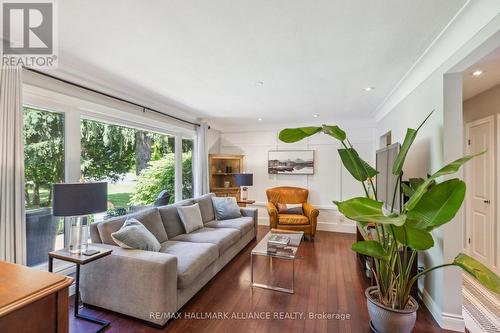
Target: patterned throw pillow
{"points": [[290, 209], [134, 235]]}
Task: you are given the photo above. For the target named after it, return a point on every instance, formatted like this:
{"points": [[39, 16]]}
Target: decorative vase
{"points": [[78, 234], [388, 320]]}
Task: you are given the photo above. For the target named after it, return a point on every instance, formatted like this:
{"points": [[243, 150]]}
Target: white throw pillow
{"points": [[190, 217]]}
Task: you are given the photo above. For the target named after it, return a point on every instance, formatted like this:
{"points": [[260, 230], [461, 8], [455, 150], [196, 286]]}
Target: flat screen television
{"points": [[386, 182]]}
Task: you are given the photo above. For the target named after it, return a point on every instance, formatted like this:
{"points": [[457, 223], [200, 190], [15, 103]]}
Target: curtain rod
{"points": [[144, 108]]}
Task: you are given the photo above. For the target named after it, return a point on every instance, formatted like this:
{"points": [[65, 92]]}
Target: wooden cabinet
{"points": [[32, 300], [223, 168]]}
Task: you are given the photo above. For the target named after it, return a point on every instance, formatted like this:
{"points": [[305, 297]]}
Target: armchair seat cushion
{"points": [[222, 237], [244, 224], [292, 219], [192, 259]]}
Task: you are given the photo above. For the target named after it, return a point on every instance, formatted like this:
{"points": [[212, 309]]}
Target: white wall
{"points": [[213, 141], [482, 105], [329, 182], [425, 156], [432, 84]]}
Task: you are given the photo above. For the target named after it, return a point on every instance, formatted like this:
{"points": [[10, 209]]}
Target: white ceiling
{"points": [[206, 56], [490, 65]]}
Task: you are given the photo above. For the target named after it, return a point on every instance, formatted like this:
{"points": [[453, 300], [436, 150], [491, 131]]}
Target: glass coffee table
{"points": [[289, 252]]}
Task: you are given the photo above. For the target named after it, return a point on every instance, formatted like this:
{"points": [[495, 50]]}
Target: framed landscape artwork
{"points": [[291, 162]]}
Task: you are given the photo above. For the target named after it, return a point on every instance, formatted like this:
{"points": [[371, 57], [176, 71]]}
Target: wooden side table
{"points": [[32, 300], [80, 259], [244, 203]]}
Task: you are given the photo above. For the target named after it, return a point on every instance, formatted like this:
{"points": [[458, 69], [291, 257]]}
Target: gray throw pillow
{"points": [[134, 235], [190, 217], [226, 208]]}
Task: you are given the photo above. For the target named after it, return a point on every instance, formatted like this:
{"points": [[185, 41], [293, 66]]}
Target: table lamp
{"points": [[76, 201], [244, 180]]}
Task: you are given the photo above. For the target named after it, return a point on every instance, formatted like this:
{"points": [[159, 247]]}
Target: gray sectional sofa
{"points": [[154, 285]]}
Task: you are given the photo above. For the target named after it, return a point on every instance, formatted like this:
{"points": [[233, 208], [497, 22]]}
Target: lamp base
{"points": [[244, 193], [78, 234]]}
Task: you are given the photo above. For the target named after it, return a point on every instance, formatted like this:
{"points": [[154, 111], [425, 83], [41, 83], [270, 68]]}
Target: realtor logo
{"points": [[28, 33]]}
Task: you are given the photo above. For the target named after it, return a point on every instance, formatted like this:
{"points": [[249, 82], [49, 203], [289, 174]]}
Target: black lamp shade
{"points": [[244, 179], [75, 199]]}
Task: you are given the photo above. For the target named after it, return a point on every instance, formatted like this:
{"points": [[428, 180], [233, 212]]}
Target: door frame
{"points": [[495, 246], [494, 206]]}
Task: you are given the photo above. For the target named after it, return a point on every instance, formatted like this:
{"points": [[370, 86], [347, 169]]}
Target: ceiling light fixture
{"points": [[315, 115], [477, 73], [259, 83], [369, 88], [259, 119]]}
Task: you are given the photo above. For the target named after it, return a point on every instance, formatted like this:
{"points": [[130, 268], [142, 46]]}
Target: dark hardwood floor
{"points": [[327, 280]]}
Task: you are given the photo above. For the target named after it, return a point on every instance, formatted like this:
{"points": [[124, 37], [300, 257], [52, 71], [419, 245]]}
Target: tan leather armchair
{"points": [[291, 195]]}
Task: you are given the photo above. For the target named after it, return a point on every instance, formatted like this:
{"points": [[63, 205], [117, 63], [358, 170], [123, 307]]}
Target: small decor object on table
{"points": [[278, 241], [76, 201], [278, 244], [81, 259]]}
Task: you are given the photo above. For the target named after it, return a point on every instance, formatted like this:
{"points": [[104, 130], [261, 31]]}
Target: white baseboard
{"points": [[432, 306], [453, 322], [337, 227], [448, 321], [470, 323], [322, 226]]}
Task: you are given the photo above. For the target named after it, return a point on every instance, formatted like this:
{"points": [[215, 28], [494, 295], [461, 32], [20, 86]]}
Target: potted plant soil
{"points": [[400, 234]]}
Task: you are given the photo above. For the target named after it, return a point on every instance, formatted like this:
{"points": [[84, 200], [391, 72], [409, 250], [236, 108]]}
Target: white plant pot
{"points": [[388, 320]]}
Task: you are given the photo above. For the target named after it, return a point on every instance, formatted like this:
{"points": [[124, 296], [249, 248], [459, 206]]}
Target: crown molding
{"points": [[469, 21]]}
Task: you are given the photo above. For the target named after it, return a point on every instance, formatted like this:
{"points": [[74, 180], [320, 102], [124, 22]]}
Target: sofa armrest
{"points": [[137, 283], [312, 214], [273, 215], [253, 213]]}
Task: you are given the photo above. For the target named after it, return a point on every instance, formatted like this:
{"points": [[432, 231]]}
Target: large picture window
{"points": [[75, 144], [44, 165], [137, 164]]}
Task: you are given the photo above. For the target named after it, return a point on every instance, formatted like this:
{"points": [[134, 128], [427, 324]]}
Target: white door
{"points": [[480, 175]]}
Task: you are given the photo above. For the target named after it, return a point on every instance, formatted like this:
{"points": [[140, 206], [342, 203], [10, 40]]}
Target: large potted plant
{"points": [[399, 234]]}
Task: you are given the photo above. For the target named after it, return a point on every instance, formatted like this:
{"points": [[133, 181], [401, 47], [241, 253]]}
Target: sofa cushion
{"points": [[171, 219], [133, 235], [190, 217], [222, 237], [244, 224], [150, 218], [292, 219], [206, 207], [192, 259]]}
